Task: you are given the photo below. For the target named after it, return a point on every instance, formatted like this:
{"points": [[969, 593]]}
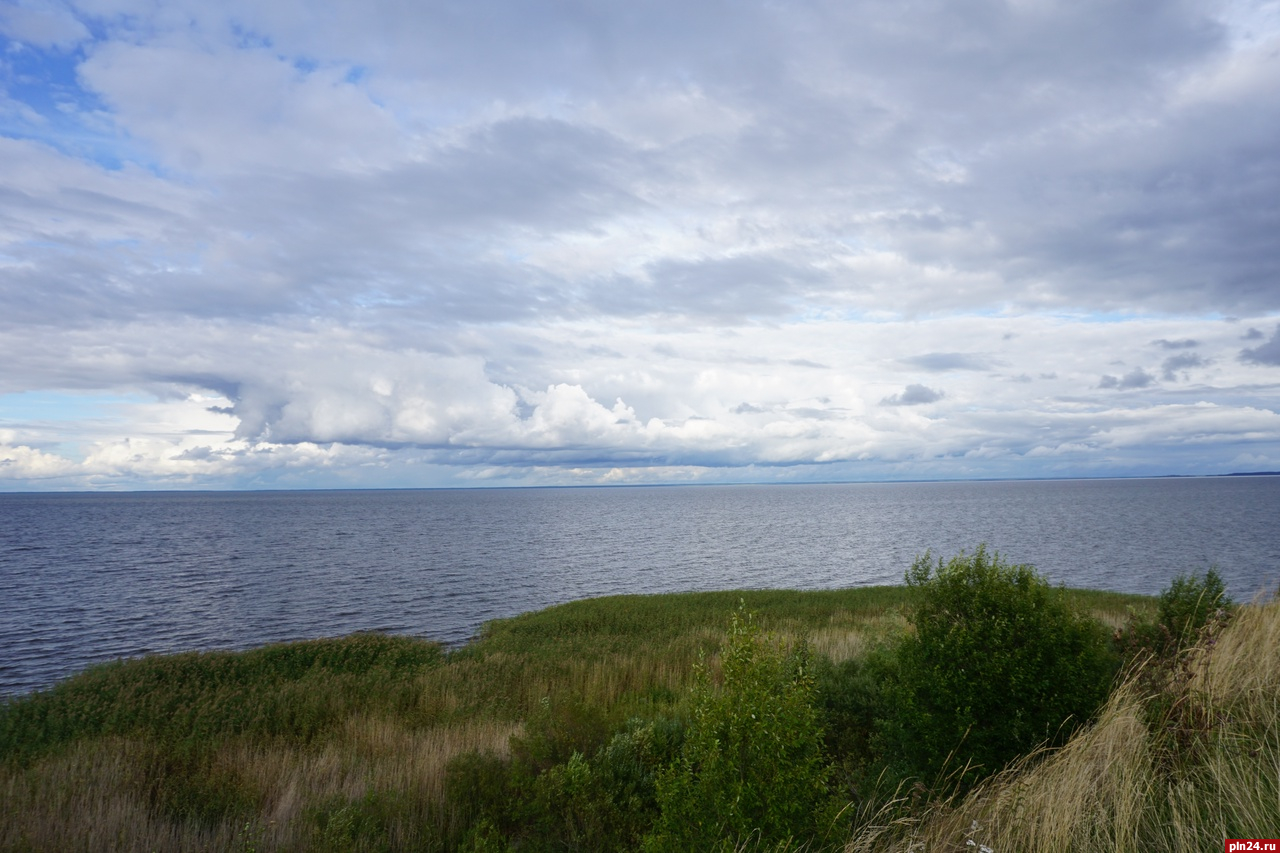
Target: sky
{"points": [[309, 244]]}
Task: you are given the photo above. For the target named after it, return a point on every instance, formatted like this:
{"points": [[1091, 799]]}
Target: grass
{"points": [[345, 744], [1179, 759]]}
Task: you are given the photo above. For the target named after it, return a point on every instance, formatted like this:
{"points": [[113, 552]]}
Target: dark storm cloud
{"points": [[1174, 364], [913, 395], [1268, 353]]}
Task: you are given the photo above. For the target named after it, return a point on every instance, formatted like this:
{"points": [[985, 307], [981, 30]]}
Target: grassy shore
{"points": [[372, 742]]}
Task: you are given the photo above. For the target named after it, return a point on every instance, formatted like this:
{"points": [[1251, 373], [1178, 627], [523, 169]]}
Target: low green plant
{"points": [[479, 791], [191, 784], [606, 801], [558, 730], [998, 663]]}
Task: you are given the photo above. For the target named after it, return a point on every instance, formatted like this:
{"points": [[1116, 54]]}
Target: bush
{"points": [[852, 696], [998, 664], [558, 730], [607, 802], [480, 787], [1183, 610], [1186, 606], [752, 765]]}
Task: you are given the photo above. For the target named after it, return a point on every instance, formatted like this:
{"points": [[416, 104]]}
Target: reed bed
{"points": [[326, 744]]}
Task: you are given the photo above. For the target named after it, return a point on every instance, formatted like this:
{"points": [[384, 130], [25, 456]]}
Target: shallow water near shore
{"points": [[93, 577]]}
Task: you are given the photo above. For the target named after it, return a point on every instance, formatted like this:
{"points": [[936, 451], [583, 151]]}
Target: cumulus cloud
{"points": [[913, 395], [43, 25], [20, 462]]}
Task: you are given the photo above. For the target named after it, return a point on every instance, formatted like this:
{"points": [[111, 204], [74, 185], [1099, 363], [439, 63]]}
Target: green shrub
{"points": [[852, 695], [752, 767], [363, 824], [558, 730], [479, 788], [195, 785], [1186, 606], [998, 663], [1183, 609], [609, 803]]}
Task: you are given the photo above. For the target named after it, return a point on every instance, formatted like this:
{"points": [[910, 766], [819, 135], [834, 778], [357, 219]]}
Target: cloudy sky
{"points": [[288, 244]]}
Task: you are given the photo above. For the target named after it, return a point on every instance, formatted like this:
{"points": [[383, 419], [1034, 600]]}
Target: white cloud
{"points": [[210, 112], [671, 241], [42, 24]]}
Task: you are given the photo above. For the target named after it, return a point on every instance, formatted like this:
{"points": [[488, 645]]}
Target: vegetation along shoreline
{"points": [[976, 706]]}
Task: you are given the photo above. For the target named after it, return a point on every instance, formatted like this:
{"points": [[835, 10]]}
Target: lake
{"points": [[88, 577]]}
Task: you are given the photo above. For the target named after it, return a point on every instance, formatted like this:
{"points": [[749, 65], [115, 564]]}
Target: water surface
{"points": [[91, 577]]}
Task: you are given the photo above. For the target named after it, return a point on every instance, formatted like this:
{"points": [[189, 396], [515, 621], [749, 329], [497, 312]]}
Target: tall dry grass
{"points": [[103, 794], [1180, 758]]}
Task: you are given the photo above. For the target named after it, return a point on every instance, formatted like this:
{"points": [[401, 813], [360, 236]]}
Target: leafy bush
{"points": [[556, 731], [1186, 606], [998, 663], [852, 695], [607, 802], [479, 789], [752, 764], [1183, 610], [194, 785], [616, 802], [363, 824]]}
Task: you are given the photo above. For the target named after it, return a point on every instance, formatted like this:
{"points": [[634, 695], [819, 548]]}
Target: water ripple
{"points": [[91, 577]]}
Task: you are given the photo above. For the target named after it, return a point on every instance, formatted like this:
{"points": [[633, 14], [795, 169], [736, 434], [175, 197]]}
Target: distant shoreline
{"points": [[722, 483]]}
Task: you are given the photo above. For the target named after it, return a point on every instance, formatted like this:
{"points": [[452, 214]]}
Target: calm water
{"points": [[90, 577]]}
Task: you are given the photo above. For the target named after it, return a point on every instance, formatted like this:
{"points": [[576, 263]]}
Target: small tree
{"points": [[752, 765], [998, 664]]}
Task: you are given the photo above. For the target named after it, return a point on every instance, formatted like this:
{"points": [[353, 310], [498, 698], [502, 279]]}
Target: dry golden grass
{"points": [[94, 797], [849, 637], [85, 800], [1179, 771]]}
